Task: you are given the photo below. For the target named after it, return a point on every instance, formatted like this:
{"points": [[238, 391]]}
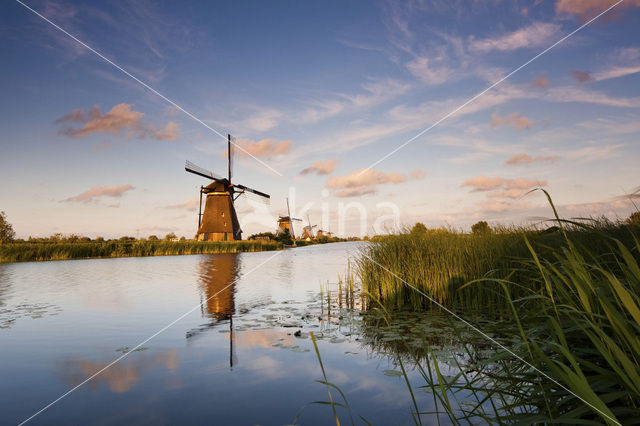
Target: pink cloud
{"points": [[498, 187], [582, 76], [75, 115], [506, 193], [520, 159], [495, 206], [364, 177], [364, 181], [320, 167], [120, 118], [264, 148], [417, 174], [588, 9], [542, 82], [356, 192], [190, 204], [169, 133], [484, 183], [514, 120], [100, 191]]}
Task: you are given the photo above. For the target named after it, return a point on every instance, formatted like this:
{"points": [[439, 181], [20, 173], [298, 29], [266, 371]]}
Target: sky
{"points": [[366, 115]]}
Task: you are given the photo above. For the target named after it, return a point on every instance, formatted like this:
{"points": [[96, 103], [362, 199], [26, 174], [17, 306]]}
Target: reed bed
{"points": [[568, 304], [440, 263], [38, 251]]}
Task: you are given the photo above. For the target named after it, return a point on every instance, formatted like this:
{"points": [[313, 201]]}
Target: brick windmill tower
{"points": [[219, 222]]}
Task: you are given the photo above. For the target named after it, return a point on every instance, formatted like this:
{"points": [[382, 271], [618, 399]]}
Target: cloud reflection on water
{"points": [[122, 376]]}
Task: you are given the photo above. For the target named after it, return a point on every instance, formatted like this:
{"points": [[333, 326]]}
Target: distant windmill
{"points": [[219, 222], [286, 222], [307, 231]]}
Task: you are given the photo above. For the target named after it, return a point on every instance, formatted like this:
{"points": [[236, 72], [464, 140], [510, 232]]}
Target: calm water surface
{"points": [[235, 359]]}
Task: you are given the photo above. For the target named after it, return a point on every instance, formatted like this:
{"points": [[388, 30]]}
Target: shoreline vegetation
{"points": [[61, 247], [29, 251], [563, 301], [67, 247]]}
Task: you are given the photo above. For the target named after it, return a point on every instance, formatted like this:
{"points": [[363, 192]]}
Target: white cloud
{"points": [[535, 35], [259, 120], [591, 153], [423, 68]]}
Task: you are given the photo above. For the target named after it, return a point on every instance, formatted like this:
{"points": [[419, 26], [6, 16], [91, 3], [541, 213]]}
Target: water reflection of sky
{"points": [[235, 361]]}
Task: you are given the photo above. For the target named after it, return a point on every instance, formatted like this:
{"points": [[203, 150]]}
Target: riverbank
{"points": [[564, 302], [42, 251]]}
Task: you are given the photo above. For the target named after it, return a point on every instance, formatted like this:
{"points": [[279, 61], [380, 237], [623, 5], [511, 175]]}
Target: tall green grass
{"points": [[27, 251], [572, 296], [440, 262]]}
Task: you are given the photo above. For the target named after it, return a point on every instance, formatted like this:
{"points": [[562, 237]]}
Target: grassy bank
{"points": [[567, 300], [36, 251]]}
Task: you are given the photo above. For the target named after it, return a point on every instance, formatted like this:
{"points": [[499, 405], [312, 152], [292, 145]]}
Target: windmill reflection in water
{"points": [[218, 274]]}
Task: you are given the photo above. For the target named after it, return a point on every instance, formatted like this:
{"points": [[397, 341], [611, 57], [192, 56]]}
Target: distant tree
{"points": [[419, 228], [323, 239], [100, 239], [56, 238], [634, 219], [7, 234], [183, 239], [153, 238], [127, 239], [262, 236], [170, 237], [481, 227], [285, 237]]}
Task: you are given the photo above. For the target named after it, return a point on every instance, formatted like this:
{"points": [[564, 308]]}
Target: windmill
{"points": [[286, 223], [219, 222], [307, 231]]}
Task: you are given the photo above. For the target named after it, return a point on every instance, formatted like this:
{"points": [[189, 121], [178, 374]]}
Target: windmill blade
{"points": [[197, 170], [231, 151], [254, 197], [295, 218], [253, 191]]}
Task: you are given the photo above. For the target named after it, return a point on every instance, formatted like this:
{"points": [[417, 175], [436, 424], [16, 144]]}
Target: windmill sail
{"points": [[229, 156], [200, 171], [253, 191]]}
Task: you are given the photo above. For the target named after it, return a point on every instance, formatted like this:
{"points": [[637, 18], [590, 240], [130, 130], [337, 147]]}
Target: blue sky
{"points": [[330, 88]]}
